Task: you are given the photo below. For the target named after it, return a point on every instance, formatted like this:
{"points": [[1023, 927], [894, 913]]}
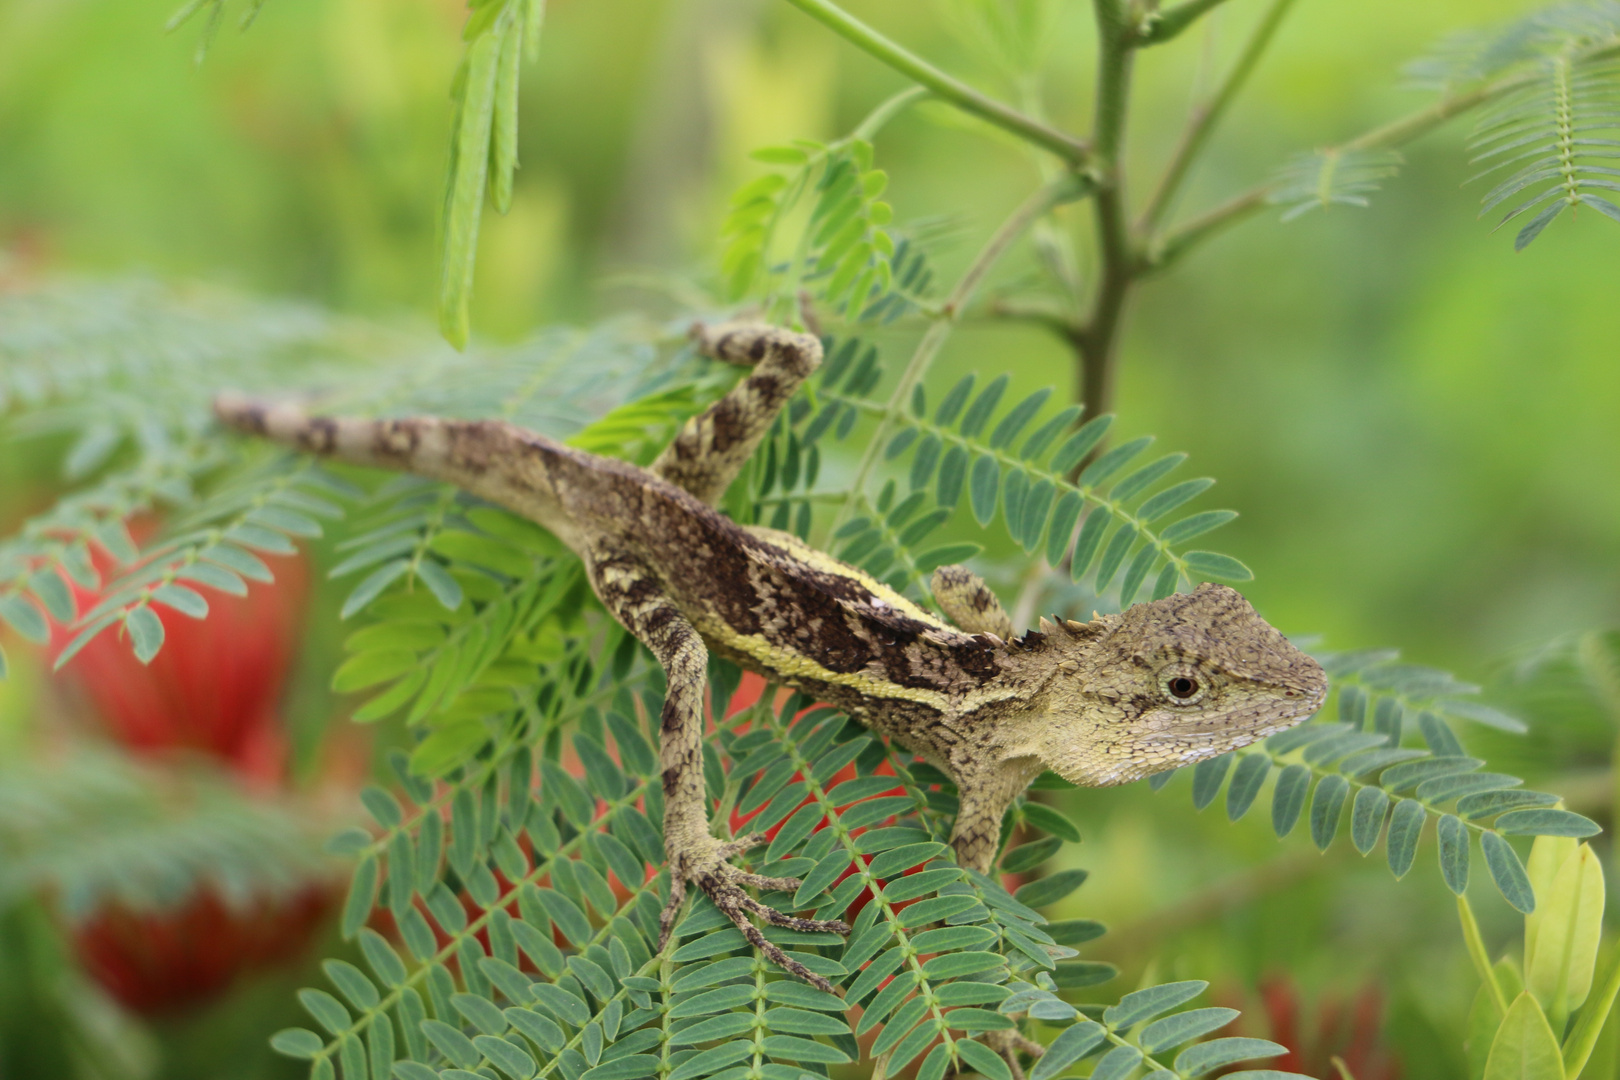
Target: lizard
{"points": [[1163, 684]]}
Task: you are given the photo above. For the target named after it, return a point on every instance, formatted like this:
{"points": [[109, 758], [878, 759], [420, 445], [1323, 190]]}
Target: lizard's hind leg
{"points": [[965, 597], [695, 855], [713, 446]]}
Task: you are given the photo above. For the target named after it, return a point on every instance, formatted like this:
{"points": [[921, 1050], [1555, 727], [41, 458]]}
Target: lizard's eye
{"points": [[1182, 687]]}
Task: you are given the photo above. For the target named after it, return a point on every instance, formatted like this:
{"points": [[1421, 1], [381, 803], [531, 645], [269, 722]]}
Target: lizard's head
{"points": [[1168, 683]]}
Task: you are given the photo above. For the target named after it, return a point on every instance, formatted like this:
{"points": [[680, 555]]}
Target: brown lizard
{"points": [[1118, 698]]}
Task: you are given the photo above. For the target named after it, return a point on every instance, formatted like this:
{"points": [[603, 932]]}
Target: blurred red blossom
{"points": [[188, 955], [213, 690], [1350, 1030], [215, 685]]}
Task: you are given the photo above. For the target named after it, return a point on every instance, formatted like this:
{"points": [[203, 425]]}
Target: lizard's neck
{"points": [[1018, 705]]}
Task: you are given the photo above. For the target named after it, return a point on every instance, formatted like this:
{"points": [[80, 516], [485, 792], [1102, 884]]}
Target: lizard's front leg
{"points": [[986, 790], [694, 854]]}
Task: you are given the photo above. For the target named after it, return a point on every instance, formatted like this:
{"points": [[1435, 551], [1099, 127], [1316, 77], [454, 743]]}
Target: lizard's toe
{"points": [[744, 843], [768, 884], [807, 926], [723, 884]]}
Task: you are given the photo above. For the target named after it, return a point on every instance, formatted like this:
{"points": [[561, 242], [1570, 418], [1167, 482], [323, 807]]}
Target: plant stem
{"points": [[888, 110], [1578, 1047], [1097, 342], [1170, 22], [1476, 952], [946, 87], [1207, 115], [1063, 189], [1165, 252]]}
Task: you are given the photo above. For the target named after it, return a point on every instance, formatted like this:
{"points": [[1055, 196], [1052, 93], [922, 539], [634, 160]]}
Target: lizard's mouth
{"points": [[1237, 726]]}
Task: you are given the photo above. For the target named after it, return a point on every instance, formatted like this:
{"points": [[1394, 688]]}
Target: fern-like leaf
{"points": [[842, 251], [94, 829], [1549, 138], [1469, 57], [1013, 468], [1325, 178], [1393, 760], [560, 873]]}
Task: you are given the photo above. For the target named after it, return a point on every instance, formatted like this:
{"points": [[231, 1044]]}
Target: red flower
{"points": [[214, 686], [1350, 1031], [213, 690], [187, 956]]}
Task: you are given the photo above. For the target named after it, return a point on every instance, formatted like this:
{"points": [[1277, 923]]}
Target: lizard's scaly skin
{"points": [[1100, 703]]}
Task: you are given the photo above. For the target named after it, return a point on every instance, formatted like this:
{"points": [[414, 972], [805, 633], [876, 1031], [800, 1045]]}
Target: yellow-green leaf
{"points": [[1559, 973], [1524, 1048], [370, 668], [503, 138], [469, 167], [1547, 854], [1484, 1019]]}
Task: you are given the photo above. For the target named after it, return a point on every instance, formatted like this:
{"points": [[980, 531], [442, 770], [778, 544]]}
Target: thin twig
{"points": [[1204, 117], [1065, 188], [888, 110], [1166, 249], [1170, 22], [1097, 343], [946, 87]]}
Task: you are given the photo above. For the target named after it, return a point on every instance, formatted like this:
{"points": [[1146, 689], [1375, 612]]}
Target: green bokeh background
{"points": [[1420, 427]]}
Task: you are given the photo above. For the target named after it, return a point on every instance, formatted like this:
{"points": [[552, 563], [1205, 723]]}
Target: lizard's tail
{"points": [[415, 444], [497, 460]]}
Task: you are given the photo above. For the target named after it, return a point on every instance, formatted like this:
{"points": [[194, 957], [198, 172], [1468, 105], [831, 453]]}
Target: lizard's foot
{"points": [[747, 344], [723, 883]]}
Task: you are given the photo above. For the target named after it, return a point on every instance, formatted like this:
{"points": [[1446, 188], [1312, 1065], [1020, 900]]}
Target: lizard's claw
{"points": [[723, 884]]}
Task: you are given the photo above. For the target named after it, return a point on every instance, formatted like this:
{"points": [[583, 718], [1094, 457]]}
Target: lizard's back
{"points": [[760, 597], [774, 604]]}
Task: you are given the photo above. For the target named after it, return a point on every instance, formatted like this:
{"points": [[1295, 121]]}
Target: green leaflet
{"points": [[1208, 775], [1524, 1047], [1140, 1005]]}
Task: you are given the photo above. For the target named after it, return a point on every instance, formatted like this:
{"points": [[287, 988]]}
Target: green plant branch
{"points": [[1166, 251], [44, 542], [891, 539], [1065, 188], [542, 866], [1097, 343], [1207, 115], [1320, 771], [160, 566], [887, 110], [1113, 84], [1165, 25], [488, 769], [1050, 314], [944, 86]]}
